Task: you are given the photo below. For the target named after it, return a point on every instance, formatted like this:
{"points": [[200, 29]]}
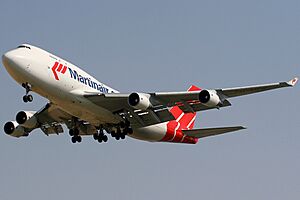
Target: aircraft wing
{"points": [[50, 119], [172, 98], [240, 91], [118, 104], [189, 101]]}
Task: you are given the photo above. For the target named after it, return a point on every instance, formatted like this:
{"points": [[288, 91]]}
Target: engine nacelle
{"points": [[27, 119], [139, 101], [13, 129], [209, 98]]}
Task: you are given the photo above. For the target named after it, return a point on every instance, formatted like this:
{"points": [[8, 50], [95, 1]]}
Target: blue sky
{"points": [[161, 46]]}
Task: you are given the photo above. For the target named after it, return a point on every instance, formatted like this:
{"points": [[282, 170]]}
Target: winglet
{"points": [[293, 82]]}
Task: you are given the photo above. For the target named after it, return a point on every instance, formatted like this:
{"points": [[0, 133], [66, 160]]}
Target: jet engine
{"points": [[13, 129], [209, 98], [27, 119], [139, 101]]}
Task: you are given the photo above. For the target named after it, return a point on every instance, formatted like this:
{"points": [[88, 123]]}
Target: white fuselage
{"points": [[66, 90]]}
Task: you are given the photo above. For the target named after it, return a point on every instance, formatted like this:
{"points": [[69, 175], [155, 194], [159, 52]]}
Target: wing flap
{"points": [[200, 133], [52, 129]]}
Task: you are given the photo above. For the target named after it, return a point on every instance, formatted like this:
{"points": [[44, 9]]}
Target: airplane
{"points": [[90, 108]]}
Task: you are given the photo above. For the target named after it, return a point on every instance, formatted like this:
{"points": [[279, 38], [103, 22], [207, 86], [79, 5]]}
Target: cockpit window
{"points": [[23, 46]]}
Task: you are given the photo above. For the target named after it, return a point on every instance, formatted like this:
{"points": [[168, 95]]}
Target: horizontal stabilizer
{"points": [[200, 133]]}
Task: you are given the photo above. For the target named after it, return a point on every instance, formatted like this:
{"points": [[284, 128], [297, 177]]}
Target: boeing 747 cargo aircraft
{"points": [[90, 108]]}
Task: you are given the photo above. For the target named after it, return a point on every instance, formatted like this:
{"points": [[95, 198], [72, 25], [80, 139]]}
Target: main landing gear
{"points": [[27, 97], [100, 136], [74, 133], [122, 131], [117, 131]]}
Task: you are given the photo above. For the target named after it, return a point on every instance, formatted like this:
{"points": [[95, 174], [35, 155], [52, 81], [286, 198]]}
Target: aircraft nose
{"points": [[9, 58], [14, 59]]}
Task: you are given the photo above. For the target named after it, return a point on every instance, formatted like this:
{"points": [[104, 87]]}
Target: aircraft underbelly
{"points": [[89, 112], [76, 105], [151, 133]]}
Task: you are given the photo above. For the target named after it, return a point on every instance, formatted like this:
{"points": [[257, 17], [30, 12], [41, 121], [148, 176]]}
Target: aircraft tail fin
{"points": [[186, 120]]}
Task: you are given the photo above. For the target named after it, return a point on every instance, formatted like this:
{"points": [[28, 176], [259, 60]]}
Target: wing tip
{"points": [[293, 82]]}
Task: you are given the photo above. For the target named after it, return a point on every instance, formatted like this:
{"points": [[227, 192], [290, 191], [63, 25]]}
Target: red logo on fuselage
{"points": [[58, 67]]}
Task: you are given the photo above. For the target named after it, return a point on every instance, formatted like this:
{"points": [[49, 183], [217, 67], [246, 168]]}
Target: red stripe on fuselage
{"points": [[64, 70], [54, 70], [171, 126], [60, 67], [178, 137]]}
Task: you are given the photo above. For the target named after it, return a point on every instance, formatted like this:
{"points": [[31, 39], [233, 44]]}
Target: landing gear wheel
{"points": [[79, 139], [117, 137], [113, 134], [25, 99], [122, 136], [29, 98], [101, 134], [74, 140], [105, 138], [95, 136]]}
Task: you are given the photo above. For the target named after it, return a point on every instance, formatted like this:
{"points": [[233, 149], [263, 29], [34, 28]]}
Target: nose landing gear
{"points": [[27, 97]]}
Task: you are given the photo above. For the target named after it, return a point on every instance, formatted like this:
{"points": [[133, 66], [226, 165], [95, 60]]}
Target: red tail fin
{"points": [[186, 120], [183, 121]]}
